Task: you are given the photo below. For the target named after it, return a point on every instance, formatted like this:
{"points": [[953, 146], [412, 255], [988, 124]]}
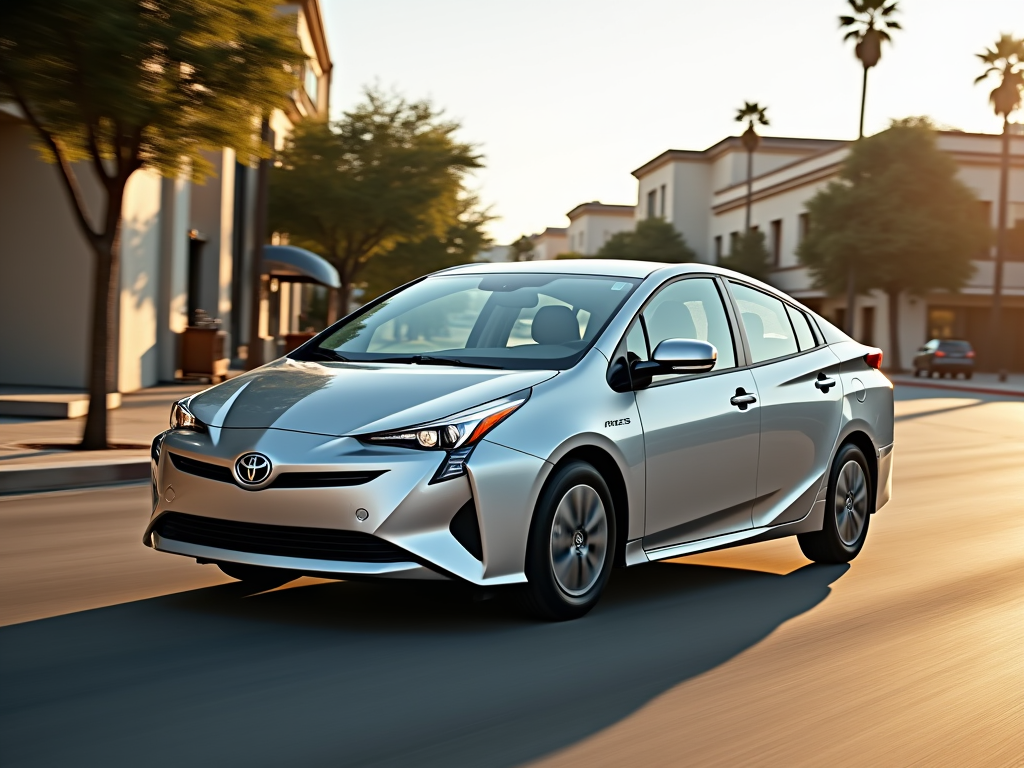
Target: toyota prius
{"points": [[533, 424]]}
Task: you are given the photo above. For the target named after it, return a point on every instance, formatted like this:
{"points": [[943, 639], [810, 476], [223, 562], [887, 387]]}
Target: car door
{"points": [[801, 400], [701, 432]]}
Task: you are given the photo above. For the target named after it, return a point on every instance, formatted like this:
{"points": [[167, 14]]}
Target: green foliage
{"points": [[463, 240], [753, 113], [146, 84], [652, 240], [869, 25], [749, 255], [522, 249], [389, 172], [570, 255], [898, 213], [1005, 61]]}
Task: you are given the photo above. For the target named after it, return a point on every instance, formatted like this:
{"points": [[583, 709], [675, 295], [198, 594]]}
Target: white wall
{"points": [[589, 231], [212, 213], [172, 304]]}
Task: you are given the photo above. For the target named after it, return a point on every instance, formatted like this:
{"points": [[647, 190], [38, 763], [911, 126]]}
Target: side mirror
{"points": [[686, 356]]}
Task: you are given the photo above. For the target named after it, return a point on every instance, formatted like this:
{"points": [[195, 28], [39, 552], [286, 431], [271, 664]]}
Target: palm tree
{"points": [[753, 113], [870, 23], [1005, 60]]}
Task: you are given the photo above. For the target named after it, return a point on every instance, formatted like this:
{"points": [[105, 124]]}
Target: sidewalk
{"points": [[25, 468], [981, 383]]}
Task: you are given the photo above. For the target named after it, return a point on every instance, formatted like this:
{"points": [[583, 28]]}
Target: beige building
{"points": [[184, 247], [592, 224], [550, 244]]}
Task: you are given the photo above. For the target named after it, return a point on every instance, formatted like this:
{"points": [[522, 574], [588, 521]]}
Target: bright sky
{"points": [[566, 97]]}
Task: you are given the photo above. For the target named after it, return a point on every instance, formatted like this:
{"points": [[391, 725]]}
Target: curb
{"points": [[957, 388], [62, 477]]}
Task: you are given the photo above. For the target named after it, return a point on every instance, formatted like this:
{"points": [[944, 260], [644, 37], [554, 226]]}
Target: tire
{"points": [[257, 576], [848, 508], [571, 545]]}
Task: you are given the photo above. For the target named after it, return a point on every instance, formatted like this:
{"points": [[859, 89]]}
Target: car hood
{"points": [[352, 398]]}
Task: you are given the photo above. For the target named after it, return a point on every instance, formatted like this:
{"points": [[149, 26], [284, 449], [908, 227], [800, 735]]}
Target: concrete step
{"points": [[51, 405]]}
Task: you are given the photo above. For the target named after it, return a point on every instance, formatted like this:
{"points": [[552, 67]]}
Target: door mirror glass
{"points": [[686, 355]]}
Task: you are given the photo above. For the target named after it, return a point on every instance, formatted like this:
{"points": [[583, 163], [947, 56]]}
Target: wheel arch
{"points": [[609, 470], [863, 441]]}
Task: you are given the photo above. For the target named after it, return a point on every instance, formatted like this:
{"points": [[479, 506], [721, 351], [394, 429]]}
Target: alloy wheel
{"points": [[851, 502], [579, 540]]}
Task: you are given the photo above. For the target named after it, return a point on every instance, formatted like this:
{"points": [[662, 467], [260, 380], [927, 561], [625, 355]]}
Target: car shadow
{"points": [[361, 674]]}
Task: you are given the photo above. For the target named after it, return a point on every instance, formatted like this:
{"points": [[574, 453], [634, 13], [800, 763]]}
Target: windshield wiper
{"points": [[430, 360], [319, 353]]}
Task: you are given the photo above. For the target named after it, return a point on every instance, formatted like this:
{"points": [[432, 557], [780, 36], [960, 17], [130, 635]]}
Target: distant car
{"points": [[534, 424], [945, 357]]}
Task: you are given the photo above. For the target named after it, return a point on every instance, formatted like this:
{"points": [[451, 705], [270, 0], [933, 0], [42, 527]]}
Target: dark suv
{"points": [[945, 357]]}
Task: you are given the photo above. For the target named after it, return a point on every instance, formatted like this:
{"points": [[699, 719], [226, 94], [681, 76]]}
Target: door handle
{"points": [[742, 399], [824, 383]]}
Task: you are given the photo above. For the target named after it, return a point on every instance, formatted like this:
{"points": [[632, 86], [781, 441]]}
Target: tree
{"points": [[390, 171], [1004, 60], [652, 240], [753, 113], [749, 255], [463, 240], [901, 214], [125, 85], [870, 24], [522, 249]]}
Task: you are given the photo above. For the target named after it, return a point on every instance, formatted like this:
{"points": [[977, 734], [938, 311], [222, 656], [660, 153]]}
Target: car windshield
{"points": [[517, 321]]}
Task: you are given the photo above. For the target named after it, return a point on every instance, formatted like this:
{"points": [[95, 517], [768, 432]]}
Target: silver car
{"points": [[534, 424]]}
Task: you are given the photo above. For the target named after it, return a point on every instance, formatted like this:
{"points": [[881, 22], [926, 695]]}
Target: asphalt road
{"points": [[912, 656]]}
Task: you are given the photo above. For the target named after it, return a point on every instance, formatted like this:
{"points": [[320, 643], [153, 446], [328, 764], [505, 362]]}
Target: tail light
{"points": [[939, 353], [874, 359], [971, 353]]}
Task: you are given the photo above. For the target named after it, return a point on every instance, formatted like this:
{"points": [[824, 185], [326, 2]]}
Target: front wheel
{"points": [[849, 504], [257, 576], [572, 543]]}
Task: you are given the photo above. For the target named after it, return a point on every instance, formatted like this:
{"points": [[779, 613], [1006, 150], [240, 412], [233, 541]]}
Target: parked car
{"points": [[945, 357], [534, 424]]}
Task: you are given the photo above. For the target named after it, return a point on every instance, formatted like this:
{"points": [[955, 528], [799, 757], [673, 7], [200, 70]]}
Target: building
{"points": [[592, 224], [550, 244], [184, 247], [704, 195]]}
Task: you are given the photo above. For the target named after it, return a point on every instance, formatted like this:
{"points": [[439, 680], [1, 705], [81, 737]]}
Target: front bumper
{"points": [[401, 506]]}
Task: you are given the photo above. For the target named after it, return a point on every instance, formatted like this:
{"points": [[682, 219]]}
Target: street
{"points": [[114, 655]]}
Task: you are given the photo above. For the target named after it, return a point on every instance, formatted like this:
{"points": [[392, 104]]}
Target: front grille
{"points": [[279, 540], [329, 479], [201, 468]]}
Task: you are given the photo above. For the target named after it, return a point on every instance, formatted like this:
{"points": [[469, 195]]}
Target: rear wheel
{"points": [[257, 576], [849, 504], [571, 545]]}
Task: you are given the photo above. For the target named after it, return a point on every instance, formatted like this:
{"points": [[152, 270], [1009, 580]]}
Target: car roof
{"points": [[603, 267]]}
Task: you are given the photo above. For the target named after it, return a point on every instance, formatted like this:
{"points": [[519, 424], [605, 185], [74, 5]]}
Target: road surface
{"points": [[115, 655]]}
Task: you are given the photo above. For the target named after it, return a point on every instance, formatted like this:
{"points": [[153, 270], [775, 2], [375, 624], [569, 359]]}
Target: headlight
{"points": [[457, 434], [182, 418]]}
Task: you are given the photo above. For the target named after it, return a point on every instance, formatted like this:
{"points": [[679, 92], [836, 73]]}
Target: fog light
{"points": [[362, 515]]}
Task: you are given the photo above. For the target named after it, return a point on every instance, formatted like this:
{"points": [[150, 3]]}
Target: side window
{"points": [[764, 318], [691, 309], [804, 336], [636, 344]]}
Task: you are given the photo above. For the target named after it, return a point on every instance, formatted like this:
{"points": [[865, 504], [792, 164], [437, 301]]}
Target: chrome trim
{"points": [[690, 547], [635, 552], [885, 450], [400, 570]]}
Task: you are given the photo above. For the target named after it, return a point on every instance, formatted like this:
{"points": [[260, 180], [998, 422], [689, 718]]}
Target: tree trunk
{"points": [[254, 358], [895, 361], [851, 298], [343, 296], [995, 329], [102, 338], [750, 186], [333, 304], [863, 102]]}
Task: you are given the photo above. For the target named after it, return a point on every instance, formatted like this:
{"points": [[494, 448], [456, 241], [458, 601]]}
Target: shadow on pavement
{"points": [[363, 674]]}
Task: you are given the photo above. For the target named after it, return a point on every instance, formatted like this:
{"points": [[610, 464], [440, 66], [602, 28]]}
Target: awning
{"points": [[297, 265]]}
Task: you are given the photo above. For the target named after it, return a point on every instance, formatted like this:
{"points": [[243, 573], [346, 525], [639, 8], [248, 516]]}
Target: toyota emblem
{"points": [[252, 468]]}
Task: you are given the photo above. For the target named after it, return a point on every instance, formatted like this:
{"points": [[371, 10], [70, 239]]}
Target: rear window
{"points": [[955, 346]]}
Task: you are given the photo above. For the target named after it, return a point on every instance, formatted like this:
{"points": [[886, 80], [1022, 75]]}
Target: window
{"points": [[652, 203], [804, 335], [769, 332], [718, 249], [661, 208], [311, 83], [734, 238], [689, 309], [776, 244], [803, 225], [514, 321]]}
